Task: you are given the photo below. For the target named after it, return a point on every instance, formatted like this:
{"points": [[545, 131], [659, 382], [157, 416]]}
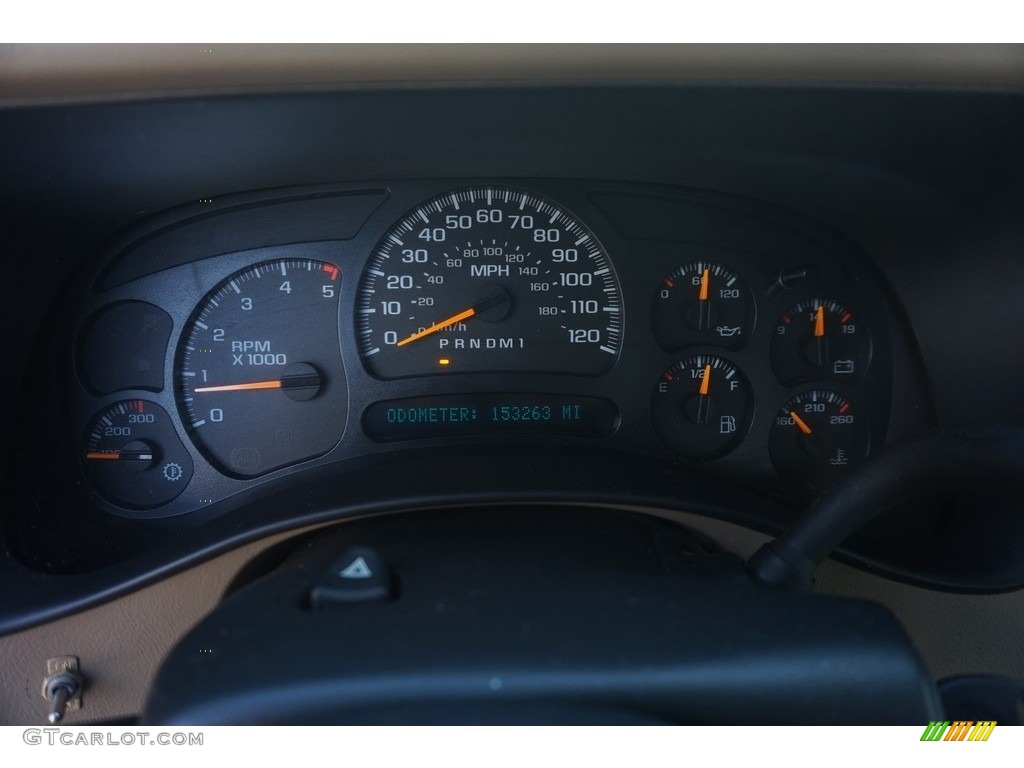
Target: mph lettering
{"points": [[488, 270], [255, 353]]}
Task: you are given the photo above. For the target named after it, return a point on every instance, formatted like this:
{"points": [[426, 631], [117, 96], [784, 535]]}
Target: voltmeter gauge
{"points": [[702, 303], [817, 435], [133, 456], [820, 338], [701, 407]]}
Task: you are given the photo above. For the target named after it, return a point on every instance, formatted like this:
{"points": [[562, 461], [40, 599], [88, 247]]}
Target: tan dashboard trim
{"points": [[87, 72], [120, 667]]}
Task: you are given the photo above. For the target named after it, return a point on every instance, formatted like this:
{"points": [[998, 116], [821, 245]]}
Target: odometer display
{"points": [[488, 413], [488, 279]]}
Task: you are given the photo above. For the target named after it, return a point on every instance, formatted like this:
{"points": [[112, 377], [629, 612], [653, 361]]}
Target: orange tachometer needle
{"points": [[274, 384], [800, 423], [464, 315], [706, 381], [703, 286], [819, 322]]}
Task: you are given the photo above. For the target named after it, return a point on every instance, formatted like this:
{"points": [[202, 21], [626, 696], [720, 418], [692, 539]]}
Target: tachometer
{"points": [[488, 279], [259, 376]]}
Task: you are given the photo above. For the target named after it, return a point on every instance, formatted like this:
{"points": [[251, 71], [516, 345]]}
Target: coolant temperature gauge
{"points": [[817, 435]]}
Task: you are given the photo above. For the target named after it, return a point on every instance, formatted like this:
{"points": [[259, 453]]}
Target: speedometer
{"points": [[488, 279]]}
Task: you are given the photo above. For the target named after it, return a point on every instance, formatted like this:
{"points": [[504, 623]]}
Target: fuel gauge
{"points": [[701, 407], [816, 435]]}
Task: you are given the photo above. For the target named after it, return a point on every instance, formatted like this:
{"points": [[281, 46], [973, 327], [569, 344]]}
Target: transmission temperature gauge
{"points": [[133, 456]]}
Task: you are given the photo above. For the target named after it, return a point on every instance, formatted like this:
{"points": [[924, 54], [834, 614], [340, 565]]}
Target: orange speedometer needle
{"points": [[273, 384], [703, 286], [495, 300], [463, 315], [800, 423], [819, 322], [705, 383]]}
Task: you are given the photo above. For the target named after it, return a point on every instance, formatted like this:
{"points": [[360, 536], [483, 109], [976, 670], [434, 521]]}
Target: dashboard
{"points": [[231, 345], [241, 315]]}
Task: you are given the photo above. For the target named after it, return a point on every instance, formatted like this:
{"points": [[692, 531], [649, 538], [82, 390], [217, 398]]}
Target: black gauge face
{"points": [[701, 407], [702, 303], [488, 279], [820, 338], [259, 377], [133, 456], [816, 435]]}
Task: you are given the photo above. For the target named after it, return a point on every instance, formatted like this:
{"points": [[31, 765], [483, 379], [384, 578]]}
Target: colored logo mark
{"points": [[959, 730]]}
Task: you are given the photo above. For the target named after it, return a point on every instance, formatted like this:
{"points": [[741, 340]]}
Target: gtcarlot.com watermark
{"points": [[79, 738]]}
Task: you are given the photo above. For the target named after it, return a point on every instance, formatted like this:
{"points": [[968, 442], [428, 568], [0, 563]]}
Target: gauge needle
{"points": [[705, 382], [463, 315], [273, 384], [800, 423], [704, 307], [702, 404], [479, 307], [299, 376], [119, 456], [820, 341]]}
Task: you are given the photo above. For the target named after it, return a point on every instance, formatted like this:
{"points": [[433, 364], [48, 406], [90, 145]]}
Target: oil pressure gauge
{"points": [[702, 303]]}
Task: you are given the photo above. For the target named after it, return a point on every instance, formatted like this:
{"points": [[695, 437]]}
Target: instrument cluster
{"points": [[713, 334]]}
